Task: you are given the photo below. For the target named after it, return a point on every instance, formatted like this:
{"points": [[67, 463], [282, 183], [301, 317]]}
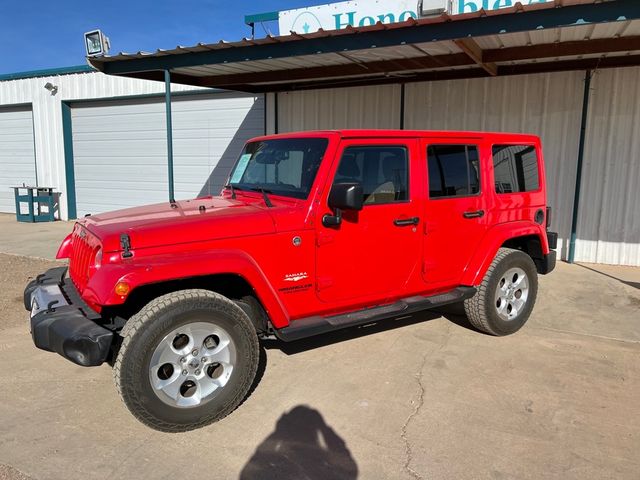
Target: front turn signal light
{"points": [[122, 289]]}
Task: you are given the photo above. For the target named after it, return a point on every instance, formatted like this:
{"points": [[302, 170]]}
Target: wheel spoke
{"points": [[517, 304], [502, 309], [167, 354], [192, 400], [521, 282], [171, 386], [223, 373], [220, 354]]}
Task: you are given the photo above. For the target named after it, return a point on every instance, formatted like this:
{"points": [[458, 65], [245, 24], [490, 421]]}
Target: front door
{"points": [[455, 210], [373, 252]]}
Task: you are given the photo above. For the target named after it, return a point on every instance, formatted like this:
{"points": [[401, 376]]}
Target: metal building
{"points": [[567, 71], [100, 140]]}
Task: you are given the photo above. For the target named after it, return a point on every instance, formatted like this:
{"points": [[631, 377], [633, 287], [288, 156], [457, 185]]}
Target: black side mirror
{"points": [[343, 196], [346, 196]]}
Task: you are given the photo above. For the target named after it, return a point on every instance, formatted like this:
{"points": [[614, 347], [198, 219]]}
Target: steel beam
{"points": [[470, 47], [583, 135], [167, 107]]}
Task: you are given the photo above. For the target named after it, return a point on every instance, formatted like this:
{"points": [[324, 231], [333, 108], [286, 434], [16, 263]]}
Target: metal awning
{"points": [[541, 37]]}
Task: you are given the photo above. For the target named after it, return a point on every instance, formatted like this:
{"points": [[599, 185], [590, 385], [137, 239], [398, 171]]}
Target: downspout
{"points": [[167, 106], [275, 109], [583, 133], [402, 101]]}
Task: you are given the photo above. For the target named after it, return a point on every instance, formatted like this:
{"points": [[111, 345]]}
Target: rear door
{"points": [[372, 253], [455, 209]]}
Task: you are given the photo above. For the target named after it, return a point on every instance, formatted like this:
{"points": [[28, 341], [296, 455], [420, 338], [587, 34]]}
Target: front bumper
{"points": [[62, 322]]}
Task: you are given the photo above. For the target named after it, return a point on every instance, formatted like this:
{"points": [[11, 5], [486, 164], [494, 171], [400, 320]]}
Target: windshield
{"points": [[284, 166]]}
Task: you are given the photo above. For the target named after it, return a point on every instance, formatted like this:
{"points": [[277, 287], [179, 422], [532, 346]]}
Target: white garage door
{"points": [[120, 149], [17, 153]]}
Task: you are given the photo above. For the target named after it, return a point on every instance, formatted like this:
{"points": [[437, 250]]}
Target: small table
{"points": [[35, 198]]}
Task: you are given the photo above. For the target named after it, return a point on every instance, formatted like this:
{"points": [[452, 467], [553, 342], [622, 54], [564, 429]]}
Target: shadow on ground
{"points": [[631, 284], [302, 446]]}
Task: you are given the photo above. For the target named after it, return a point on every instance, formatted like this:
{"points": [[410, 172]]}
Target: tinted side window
{"points": [[515, 168], [454, 170], [383, 172]]}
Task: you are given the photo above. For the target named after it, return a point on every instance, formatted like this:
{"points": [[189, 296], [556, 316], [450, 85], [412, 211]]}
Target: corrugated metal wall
{"points": [[548, 105], [47, 113], [357, 107], [120, 149], [609, 219]]}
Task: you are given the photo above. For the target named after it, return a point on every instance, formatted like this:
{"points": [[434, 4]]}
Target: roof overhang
{"points": [[541, 37]]}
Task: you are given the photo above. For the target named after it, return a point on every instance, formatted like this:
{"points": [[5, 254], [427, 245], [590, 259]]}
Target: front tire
{"points": [[187, 359], [506, 296]]}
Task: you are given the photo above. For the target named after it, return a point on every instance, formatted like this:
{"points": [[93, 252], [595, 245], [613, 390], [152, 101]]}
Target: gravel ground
{"points": [[9, 473]]}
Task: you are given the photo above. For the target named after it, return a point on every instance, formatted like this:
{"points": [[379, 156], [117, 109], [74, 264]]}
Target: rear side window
{"points": [[515, 168], [383, 172], [454, 170]]}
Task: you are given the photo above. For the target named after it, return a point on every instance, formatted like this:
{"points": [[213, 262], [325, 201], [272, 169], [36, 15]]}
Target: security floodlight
{"points": [[96, 43], [427, 8], [51, 87]]}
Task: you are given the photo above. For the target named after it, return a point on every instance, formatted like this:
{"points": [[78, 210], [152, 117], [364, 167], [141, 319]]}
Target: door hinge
{"points": [[324, 237]]}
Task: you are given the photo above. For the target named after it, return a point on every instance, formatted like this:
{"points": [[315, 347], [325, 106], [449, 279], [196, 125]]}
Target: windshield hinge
{"points": [[125, 243]]}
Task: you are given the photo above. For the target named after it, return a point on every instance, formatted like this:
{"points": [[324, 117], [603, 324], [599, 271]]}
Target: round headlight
{"points": [[97, 260]]}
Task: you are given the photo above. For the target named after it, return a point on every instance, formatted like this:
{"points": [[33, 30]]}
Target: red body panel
{"points": [[296, 266]]}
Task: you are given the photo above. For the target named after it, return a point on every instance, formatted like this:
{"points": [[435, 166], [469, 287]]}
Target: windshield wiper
{"points": [[264, 195]]}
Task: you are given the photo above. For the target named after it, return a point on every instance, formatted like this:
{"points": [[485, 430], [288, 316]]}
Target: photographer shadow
{"points": [[303, 447]]}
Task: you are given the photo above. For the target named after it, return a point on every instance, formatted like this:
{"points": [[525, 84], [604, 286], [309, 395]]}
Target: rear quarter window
{"points": [[454, 171], [515, 168]]}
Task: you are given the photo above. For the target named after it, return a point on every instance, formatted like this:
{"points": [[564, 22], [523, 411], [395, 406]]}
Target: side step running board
{"points": [[310, 326]]}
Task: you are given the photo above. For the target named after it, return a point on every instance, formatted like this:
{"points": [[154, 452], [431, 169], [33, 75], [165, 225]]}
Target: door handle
{"points": [[476, 214], [405, 222]]}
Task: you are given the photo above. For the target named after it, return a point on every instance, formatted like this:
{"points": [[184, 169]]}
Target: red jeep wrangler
{"points": [[314, 232]]}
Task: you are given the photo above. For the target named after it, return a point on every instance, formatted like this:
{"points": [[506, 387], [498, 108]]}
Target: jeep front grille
{"points": [[82, 254]]}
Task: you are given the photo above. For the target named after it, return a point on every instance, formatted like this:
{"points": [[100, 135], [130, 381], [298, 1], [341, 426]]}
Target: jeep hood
{"points": [[187, 221]]}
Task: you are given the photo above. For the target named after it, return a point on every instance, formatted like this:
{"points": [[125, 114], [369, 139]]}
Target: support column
{"points": [[167, 105], [402, 102], [576, 199]]}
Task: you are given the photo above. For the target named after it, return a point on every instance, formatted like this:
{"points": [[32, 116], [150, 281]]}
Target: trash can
{"points": [[41, 203]]}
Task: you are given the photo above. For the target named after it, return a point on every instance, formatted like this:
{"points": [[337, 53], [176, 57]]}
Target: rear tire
{"points": [[506, 296], [187, 359]]}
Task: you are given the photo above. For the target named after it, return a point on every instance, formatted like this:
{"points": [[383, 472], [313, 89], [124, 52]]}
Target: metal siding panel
{"points": [[208, 136], [17, 154], [359, 107], [609, 218], [120, 148], [547, 105], [47, 114]]}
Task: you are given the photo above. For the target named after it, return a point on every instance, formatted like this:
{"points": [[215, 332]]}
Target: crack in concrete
{"points": [[403, 431], [420, 402], [581, 334]]}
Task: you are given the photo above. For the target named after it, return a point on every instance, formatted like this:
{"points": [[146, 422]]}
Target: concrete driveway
{"points": [[39, 240], [424, 397]]}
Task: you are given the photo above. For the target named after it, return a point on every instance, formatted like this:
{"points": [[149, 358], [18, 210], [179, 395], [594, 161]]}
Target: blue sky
{"points": [[37, 34]]}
